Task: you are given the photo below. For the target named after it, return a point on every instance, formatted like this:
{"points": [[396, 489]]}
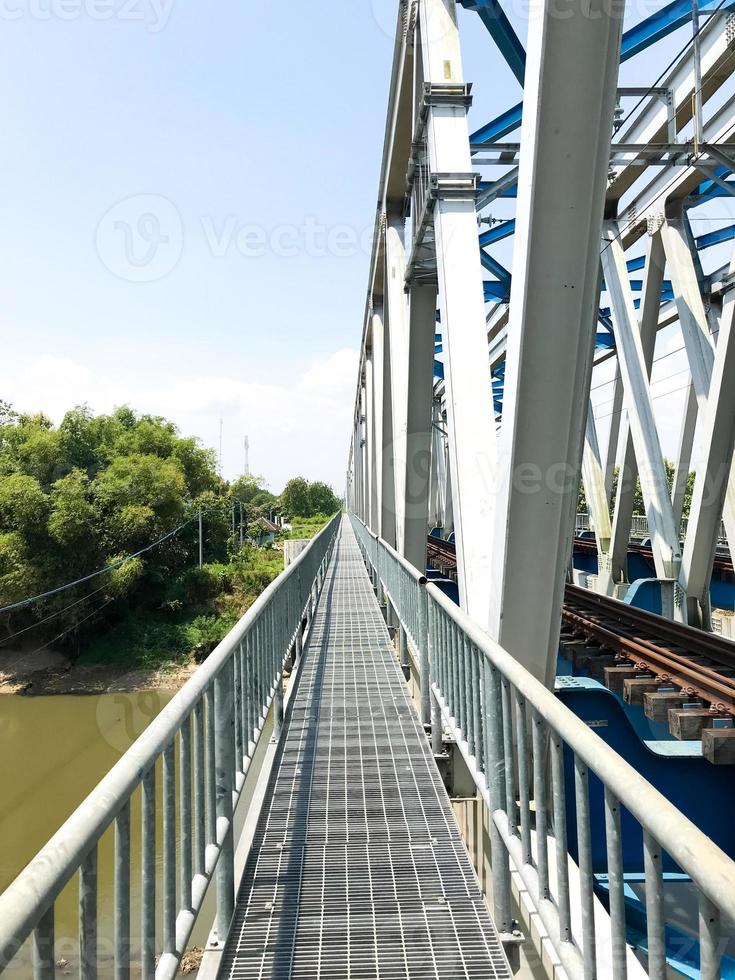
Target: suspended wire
{"points": [[663, 394], [53, 615], [703, 19], [4, 668], [656, 360], [72, 627], [102, 571]]}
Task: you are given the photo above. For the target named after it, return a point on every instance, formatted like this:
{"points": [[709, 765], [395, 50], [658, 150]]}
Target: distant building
{"points": [[268, 531]]}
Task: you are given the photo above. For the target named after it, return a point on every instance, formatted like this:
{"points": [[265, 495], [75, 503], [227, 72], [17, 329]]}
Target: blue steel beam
{"points": [[498, 270], [499, 231], [715, 237], [661, 23], [493, 17]]}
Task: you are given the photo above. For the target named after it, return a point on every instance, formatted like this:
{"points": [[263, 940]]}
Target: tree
{"points": [[294, 499], [322, 499]]}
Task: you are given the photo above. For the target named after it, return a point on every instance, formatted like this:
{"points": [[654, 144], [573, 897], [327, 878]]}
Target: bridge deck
{"points": [[357, 869]]}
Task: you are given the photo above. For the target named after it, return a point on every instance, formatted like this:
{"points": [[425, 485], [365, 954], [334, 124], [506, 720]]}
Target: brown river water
{"points": [[53, 751]]}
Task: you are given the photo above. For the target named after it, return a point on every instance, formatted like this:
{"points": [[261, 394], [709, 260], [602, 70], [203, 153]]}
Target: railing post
{"points": [[44, 961], [224, 753], [423, 643], [278, 709], [437, 740], [496, 783]]}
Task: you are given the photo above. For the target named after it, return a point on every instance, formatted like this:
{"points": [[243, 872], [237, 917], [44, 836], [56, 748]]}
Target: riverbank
{"points": [[49, 672]]}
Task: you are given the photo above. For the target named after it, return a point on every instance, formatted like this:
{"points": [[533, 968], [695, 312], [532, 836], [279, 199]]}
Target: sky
{"points": [[188, 193]]}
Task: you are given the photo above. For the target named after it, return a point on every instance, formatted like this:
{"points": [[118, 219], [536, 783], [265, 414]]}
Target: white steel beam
{"points": [[713, 483], [593, 479], [396, 308], [387, 480], [616, 564], [634, 370], [571, 75], [613, 436], [464, 333], [438, 465], [684, 454], [371, 447], [422, 319], [695, 328], [689, 305], [378, 357]]}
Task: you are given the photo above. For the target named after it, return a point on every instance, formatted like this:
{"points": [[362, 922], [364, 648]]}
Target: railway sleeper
{"points": [[634, 688], [615, 677], [657, 704], [687, 724], [718, 745]]}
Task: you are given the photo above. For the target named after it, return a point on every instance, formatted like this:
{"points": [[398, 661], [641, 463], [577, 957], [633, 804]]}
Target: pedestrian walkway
{"points": [[358, 869]]}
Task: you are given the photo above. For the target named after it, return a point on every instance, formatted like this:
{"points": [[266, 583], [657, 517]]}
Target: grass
{"points": [[306, 527], [198, 611]]}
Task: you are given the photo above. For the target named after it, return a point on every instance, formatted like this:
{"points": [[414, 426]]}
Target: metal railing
{"points": [[523, 748], [213, 724], [639, 526], [406, 598]]}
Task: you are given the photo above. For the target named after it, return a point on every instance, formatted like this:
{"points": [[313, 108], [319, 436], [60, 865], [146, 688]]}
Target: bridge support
{"points": [[634, 369], [418, 422], [469, 406], [553, 310], [714, 482], [615, 567]]}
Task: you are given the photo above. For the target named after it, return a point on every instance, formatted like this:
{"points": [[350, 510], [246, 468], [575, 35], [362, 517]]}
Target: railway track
{"points": [[677, 674], [722, 562]]}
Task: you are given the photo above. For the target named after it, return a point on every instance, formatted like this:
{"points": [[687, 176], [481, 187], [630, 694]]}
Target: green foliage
{"points": [[639, 507], [94, 491], [77, 497], [303, 499]]}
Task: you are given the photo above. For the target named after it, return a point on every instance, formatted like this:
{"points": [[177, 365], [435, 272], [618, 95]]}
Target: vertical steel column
{"points": [[422, 325], [376, 338], [470, 419], [398, 333], [562, 180], [387, 461], [371, 518]]}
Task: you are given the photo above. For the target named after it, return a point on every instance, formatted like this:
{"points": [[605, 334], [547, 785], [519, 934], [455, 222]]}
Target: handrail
{"points": [[508, 725], [217, 718]]}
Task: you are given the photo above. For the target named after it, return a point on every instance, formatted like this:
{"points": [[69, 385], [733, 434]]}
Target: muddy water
{"points": [[53, 751]]}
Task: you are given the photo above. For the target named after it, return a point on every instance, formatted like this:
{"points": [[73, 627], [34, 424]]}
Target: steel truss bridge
{"points": [[506, 274]]}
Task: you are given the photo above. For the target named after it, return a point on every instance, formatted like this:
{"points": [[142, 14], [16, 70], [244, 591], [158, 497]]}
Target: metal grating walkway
{"points": [[357, 868]]}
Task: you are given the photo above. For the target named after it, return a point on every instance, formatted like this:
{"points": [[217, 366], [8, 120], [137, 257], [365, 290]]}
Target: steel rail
{"points": [[721, 563], [697, 641], [666, 665], [253, 653]]}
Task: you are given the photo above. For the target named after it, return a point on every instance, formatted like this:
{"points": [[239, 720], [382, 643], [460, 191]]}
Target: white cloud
{"points": [[300, 426]]}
